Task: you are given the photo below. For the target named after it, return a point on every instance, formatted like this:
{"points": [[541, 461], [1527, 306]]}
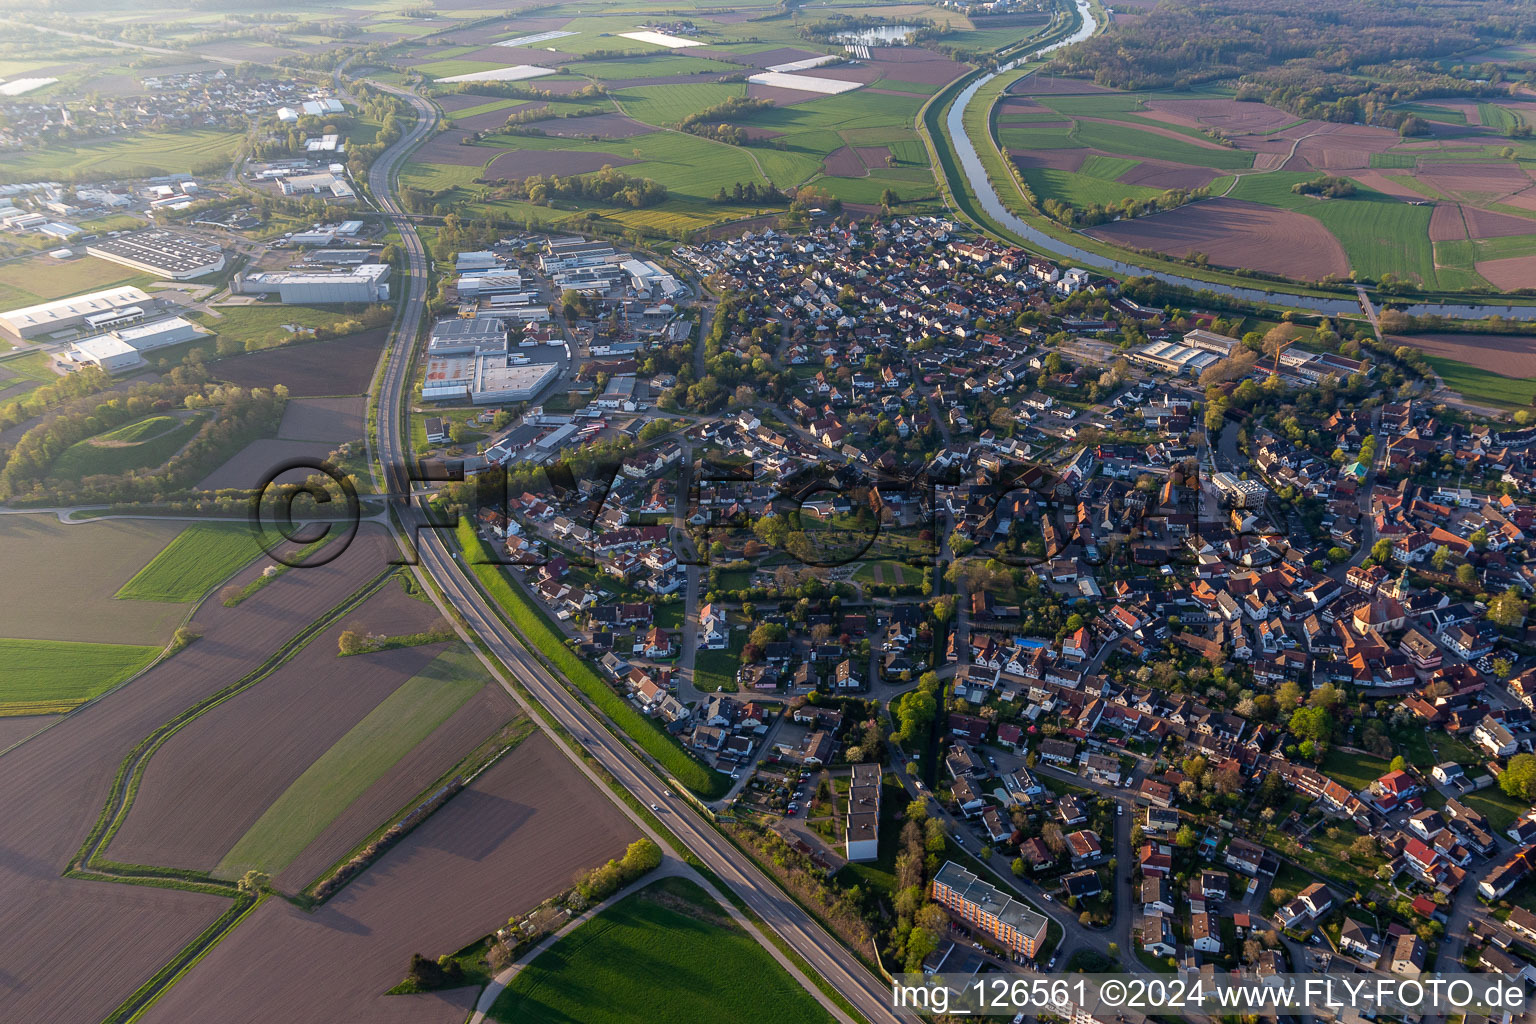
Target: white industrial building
{"points": [[363, 284], [522, 306], [489, 282], [61, 314], [649, 280], [123, 348]]}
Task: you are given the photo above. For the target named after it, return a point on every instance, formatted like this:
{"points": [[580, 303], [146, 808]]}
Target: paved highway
{"points": [[821, 950]]}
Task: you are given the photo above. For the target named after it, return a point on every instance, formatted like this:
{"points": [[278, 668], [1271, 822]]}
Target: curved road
{"points": [[823, 952]]}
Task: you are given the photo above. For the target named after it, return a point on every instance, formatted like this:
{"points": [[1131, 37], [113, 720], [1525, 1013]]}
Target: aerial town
{"points": [[781, 514]]}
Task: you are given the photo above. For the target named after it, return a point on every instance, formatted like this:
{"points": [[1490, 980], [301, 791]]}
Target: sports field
{"points": [[355, 762], [51, 676], [202, 556], [666, 954]]}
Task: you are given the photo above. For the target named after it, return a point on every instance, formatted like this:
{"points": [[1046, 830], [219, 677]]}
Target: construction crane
{"points": [[1280, 347]]}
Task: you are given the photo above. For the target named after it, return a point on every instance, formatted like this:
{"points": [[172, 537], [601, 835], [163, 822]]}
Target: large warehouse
{"points": [[486, 378], [123, 349], [358, 284], [163, 253], [113, 304]]}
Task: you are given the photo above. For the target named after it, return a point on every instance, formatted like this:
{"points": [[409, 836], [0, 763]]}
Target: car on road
{"points": [[736, 774], [1119, 810], [1049, 898], [957, 837], [1051, 964], [655, 807]]}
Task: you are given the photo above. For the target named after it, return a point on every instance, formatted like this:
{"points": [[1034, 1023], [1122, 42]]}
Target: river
{"points": [[992, 204]]}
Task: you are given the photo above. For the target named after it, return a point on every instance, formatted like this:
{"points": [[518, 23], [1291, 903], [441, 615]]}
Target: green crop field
{"points": [[202, 556], [40, 677], [1500, 119], [1433, 113], [1506, 248], [1114, 138], [1109, 168], [666, 105], [356, 761], [1081, 189], [1023, 136], [626, 965], [1029, 117], [484, 108], [1479, 385], [1380, 234], [141, 155], [453, 68], [142, 444], [921, 88], [652, 67], [1398, 161]]}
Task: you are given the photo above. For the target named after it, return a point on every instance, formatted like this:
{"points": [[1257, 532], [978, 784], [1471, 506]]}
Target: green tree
{"points": [[1519, 778], [1315, 724], [1507, 610], [1399, 764]]}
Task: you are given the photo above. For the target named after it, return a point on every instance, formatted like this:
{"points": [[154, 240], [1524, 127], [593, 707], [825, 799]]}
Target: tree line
{"points": [[713, 122], [605, 186]]}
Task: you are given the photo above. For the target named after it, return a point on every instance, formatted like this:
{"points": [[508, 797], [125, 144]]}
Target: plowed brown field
{"points": [[1233, 233], [515, 836], [72, 950]]}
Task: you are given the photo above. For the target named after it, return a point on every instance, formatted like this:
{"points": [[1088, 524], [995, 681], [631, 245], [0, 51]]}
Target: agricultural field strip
{"points": [[340, 775], [52, 676], [200, 557], [88, 860]]}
